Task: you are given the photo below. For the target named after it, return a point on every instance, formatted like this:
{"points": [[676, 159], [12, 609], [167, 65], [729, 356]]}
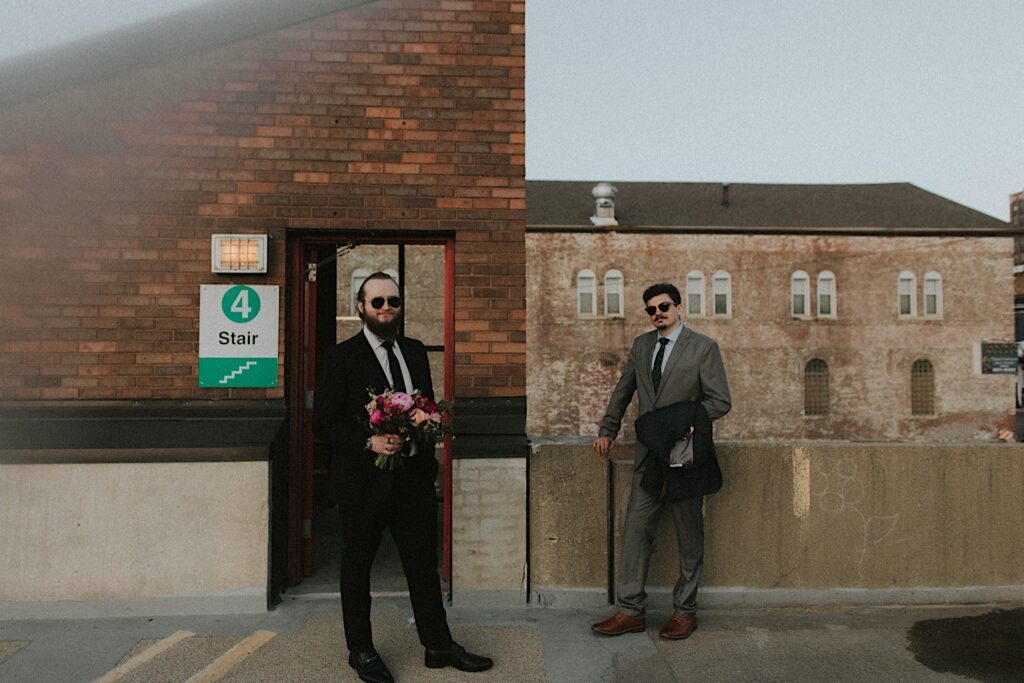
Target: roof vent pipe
{"points": [[604, 199], [725, 194]]}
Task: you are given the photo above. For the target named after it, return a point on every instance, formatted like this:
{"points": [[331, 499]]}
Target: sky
{"points": [[768, 91]]}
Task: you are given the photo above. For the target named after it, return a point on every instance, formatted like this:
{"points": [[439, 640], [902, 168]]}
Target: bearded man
{"points": [[370, 499]]}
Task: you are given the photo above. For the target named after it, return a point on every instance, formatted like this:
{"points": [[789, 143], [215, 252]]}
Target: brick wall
{"points": [[404, 117], [869, 349]]}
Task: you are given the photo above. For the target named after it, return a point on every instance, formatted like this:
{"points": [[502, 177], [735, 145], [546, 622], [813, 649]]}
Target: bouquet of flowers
{"points": [[408, 416]]}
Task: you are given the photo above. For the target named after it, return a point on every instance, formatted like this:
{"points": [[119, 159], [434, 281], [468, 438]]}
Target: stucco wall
{"points": [[128, 537], [801, 516], [869, 349]]}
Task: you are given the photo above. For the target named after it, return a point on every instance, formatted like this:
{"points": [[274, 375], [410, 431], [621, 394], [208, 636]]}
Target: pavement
{"points": [[301, 640]]}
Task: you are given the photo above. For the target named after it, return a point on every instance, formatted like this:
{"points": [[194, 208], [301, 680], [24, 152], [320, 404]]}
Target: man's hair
{"points": [[663, 288], [379, 275]]}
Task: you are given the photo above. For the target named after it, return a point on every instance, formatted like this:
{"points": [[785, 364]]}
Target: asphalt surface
{"points": [[302, 640]]}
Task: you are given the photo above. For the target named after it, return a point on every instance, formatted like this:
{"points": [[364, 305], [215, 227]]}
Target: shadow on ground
{"points": [[987, 647]]}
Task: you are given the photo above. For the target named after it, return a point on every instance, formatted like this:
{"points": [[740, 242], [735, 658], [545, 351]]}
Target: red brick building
{"points": [[320, 124], [843, 312]]}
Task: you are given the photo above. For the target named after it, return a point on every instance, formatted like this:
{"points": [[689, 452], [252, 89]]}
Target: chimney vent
{"points": [[604, 200]]}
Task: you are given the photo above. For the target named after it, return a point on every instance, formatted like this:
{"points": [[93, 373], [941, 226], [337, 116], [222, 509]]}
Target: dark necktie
{"points": [[397, 380], [656, 370]]}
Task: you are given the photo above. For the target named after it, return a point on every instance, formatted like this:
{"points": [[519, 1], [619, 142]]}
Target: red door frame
{"points": [[300, 349]]}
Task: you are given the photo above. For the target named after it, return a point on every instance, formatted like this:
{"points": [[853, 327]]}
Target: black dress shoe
{"points": [[370, 667], [456, 655]]}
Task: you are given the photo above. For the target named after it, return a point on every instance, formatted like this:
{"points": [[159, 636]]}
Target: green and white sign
{"points": [[238, 336]]}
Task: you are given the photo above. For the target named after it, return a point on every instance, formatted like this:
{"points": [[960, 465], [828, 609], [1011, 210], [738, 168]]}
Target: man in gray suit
{"points": [[669, 364]]}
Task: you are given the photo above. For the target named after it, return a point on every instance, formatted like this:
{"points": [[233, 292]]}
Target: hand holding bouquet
{"points": [[408, 416]]}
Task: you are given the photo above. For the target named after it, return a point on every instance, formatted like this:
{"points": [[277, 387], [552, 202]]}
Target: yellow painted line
{"points": [[146, 655], [232, 657]]}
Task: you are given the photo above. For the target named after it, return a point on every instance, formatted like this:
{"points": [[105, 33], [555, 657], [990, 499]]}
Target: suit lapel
{"points": [[416, 369], [373, 372], [673, 358], [650, 340]]}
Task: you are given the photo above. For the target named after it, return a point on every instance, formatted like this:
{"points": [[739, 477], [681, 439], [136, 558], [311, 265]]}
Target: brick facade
{"points": [[401, 118], [868, 348]]}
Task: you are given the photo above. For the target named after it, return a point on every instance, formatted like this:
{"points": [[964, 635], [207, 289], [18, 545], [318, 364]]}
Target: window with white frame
{"points": [[695, 293], [906, 294], [932, 295], [613, 293], [359, 276], [826, 294], [799, 288], [586, 292], [721, 294]]}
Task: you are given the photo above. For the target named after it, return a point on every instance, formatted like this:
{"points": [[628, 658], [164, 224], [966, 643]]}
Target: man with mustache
{"points": [[666, 366], [370, 498]]}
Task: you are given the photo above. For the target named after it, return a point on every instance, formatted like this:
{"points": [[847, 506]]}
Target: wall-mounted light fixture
{"points": [[239, 253]]}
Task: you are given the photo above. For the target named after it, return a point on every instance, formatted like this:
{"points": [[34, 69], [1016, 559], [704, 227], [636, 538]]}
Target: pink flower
{"points": [[436, 417], [376, 417], [402, 400]]}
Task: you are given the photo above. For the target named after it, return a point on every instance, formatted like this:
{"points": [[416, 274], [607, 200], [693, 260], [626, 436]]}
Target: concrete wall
{"points": [[803, 522], [118, 539], [489, 530]]}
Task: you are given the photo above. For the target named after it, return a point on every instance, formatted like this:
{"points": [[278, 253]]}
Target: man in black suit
{"points": [[371, 498]]}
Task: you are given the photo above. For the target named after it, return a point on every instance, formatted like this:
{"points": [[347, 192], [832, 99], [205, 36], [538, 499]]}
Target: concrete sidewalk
{"points": [[301, 640]]}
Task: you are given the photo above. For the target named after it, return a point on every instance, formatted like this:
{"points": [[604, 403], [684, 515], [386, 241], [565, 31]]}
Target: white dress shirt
{"points": [[377, 344], [672, 337]]}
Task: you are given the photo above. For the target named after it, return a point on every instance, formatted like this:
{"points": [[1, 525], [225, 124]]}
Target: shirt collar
{"points": [[673, 337], [375, 341]]}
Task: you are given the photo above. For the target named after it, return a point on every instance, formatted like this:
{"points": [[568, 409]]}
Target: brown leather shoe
{"points": [[679, 626], [619, 623]]}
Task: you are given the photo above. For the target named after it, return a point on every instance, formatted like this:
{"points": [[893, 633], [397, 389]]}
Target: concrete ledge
{"points": [[725, 597], [240, 601], [570, 598], [490, 598]]}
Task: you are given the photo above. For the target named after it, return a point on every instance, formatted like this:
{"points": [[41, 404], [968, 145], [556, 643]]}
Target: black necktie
{"points": [[656, 370], [397, 380]]}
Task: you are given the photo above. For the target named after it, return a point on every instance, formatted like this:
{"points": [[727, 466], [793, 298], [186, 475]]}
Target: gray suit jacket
{"points": [[694, 372]]}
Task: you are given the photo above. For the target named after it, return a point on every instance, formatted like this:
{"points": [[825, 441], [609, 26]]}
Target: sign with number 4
{"points": [[238, 336]]}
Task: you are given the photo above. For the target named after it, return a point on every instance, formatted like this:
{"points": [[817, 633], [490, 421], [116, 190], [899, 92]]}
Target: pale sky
{"points": [[779, 91]]}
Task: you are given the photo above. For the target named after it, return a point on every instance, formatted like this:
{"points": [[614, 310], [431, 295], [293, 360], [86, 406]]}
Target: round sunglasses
{"points": [[393, 301], [663, 306]]}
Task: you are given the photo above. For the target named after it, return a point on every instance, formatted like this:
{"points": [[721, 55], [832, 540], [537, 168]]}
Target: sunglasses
{"points": [[393, 301], [663, 306]]}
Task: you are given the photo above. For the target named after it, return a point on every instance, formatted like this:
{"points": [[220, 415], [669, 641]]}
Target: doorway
{"points": [[325, 275]]}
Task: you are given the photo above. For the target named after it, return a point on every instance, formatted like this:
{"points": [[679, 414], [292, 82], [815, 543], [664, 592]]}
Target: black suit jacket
{"points": [[659, 431], [349, 373]]}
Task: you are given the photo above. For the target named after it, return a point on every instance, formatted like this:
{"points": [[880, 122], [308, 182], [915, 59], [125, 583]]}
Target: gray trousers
{"points": [[642, 514]]}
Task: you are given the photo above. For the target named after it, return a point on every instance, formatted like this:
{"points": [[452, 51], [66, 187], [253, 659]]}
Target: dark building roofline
{"points": [[152, 43], [892, 209]]}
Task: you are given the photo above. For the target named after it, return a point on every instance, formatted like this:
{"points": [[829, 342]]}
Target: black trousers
{"points": [[404, 502]]}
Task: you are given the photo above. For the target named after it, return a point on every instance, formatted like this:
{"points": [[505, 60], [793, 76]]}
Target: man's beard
{"points": [[384, 330]]}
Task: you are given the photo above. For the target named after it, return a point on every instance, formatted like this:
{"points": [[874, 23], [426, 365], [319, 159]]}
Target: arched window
{"points": [[816, 387], [721, 294], [613, 293], [359, 276], [799, 287], [922, 388], [586, 289], [932, 295], [393, 273], [826, 294], [906, 294], [695, 293]]}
